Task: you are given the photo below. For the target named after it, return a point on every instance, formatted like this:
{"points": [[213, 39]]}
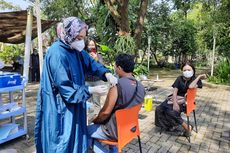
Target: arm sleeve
{"points": [[100, 59], [176, 83], [69, 91], [93, 66]]}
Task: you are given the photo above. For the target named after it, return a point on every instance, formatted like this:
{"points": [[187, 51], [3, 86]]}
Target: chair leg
{"points": [[194, 113], [161, 131], [139, 140], [188, 127]]}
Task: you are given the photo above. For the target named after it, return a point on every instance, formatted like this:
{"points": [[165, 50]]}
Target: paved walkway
{"points": [[213, 117]]}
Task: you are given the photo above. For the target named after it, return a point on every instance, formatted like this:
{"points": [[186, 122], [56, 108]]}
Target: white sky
{"points": [[21, 3]]}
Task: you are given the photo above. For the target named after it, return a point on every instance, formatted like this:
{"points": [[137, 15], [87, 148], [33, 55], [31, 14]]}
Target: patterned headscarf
{"points": [[60, 31], [69, 29]]}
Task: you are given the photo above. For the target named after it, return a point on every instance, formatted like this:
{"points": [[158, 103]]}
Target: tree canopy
{"points": [[184, 29]]}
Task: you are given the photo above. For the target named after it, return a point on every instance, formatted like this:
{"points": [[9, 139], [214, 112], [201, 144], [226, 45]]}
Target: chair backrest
{"points": [[190, 100], [127, 125]]}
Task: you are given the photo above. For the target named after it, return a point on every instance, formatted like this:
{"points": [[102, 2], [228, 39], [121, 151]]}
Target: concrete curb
{"points": [[211, 85]]}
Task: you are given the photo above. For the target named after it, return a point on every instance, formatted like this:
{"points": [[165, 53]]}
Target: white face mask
{"points": [[188, 74], [78, 45]]}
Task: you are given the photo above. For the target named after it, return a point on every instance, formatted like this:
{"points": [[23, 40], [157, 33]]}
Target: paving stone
{"points": [[145, 139], [199, 137], [159, 142], [153, 149], [130, 151], [220, 139], [165, 137], [146, 146], [218, 130], [133, 147], [154, 139], [214, 146], [194, 147], [134, 141], [225, 134], [163, 149], [125, 148], [224, 145], [192, 151], [184, 148], [213, 150], [224, 150], [208, 134], [204, 146], [227, 124], [174, 148], [172, 138], [203, 151], [213, 111]]}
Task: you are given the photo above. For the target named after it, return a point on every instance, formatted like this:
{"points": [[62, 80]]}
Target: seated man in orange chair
{"points": [[127, 93]]}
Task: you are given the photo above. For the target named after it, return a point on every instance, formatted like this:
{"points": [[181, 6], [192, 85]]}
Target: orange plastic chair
{"points": [[191, 105], [127, 127]]}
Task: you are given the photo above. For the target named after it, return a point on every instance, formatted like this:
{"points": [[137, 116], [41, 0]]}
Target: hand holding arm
{"points": [[202, 76], [100, 90], [194, 83], [176, 107], [111, 79], [94, 56], [108, 106]]}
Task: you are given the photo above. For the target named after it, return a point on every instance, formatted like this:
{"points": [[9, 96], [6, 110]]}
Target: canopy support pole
{"points": [[28, 43], [149, 45], [40, 51]]}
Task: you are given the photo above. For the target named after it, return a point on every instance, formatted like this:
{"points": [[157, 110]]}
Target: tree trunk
{"points": [[155, 53], [140, 23], [124, 21], [155, 56], [119, 12], [142, 59], [179, 60], [184, 57]]}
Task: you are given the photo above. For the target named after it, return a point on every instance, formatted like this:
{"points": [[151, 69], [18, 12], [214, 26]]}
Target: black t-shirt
{"points": [[182, 85]]}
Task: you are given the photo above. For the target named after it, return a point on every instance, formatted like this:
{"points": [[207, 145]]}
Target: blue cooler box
{"points": [[9, 80]]}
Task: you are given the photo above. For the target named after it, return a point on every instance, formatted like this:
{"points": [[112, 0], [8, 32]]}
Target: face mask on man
{"points": [[78, 45], [188, 74]]}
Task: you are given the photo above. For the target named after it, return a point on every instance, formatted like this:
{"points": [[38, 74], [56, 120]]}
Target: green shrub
{"points": [[170, 66], [138, 70], [10, 52], [125, 44], [141, 69], [222, 73], [110, 67]]}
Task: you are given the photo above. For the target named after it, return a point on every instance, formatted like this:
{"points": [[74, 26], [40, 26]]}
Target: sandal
{"points": [[188, 133], [191, 127]]}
